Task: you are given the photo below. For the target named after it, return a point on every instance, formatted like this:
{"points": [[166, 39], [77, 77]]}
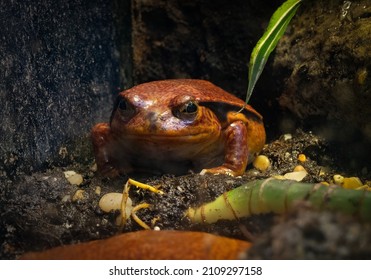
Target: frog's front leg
{"points": [[102, 145], [236, 151]]}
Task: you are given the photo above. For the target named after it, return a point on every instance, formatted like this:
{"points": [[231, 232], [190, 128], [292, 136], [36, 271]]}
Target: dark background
{"points": [[62, 63]]}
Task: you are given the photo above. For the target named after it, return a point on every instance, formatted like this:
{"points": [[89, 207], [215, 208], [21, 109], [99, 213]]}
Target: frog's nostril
{"points": [[152, 116]]}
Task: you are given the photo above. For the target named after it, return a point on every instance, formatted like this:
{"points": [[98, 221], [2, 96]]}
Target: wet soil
{"points": [[39, 211]]}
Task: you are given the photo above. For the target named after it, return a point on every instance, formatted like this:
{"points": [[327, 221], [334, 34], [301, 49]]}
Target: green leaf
{"points": [[276, 28]]}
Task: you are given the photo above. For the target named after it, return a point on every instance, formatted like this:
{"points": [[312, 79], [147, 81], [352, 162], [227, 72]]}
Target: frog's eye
{"points": [[190, 108], [187, 110], [123, 105], [125, 109]]}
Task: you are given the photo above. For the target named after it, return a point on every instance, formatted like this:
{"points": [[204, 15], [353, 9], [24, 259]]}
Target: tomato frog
{"points": [[177, 126]]}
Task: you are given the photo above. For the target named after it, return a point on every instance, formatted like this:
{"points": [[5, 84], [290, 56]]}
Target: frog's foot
{"points": [[101, 138], [220, 170], [236, 153]]}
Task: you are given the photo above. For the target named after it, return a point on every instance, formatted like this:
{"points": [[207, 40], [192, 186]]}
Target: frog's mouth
{"points": [[170, 137]]}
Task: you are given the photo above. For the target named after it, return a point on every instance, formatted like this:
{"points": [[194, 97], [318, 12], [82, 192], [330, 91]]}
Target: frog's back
{"points": [[204, 92]]}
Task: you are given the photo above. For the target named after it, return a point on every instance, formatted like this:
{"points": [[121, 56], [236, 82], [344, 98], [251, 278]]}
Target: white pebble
{"points": [[73, 177], [112, 201], [287, 136], [69, 173], [296, 175]]}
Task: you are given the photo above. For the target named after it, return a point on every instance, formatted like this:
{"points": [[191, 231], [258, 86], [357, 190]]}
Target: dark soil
{"points": [[307, 234], [38, 211]]}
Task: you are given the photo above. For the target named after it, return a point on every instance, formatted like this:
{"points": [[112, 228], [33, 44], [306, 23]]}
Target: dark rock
{"points": [[325, 59], [59, 70]]}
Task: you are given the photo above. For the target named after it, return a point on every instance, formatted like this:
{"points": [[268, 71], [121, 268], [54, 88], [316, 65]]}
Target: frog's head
{"points": [[169, 110]]}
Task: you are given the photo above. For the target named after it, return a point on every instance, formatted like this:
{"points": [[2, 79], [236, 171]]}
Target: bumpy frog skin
{"points": [[178, 126]]}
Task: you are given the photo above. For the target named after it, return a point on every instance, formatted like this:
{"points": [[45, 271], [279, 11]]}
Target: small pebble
{"points": [[73, 178], [299, 168], [302, 158], [67, 225], [348, 182], [287, 136], [98, 190], [63, 152], [297, 176], [94, 167], [156, 228], [110, 201], [323, 171], [361, 76], [253, 172], [338, 179], [262, 163], [352, 183], [79, 195], [66, 198], [104, 222], [68, 173]]}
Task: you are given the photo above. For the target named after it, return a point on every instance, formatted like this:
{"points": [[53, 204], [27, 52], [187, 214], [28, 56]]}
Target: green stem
{"points": [[280, 196]]}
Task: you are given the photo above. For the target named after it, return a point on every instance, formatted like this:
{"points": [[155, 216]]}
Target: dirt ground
{"points": [[41, 210]]}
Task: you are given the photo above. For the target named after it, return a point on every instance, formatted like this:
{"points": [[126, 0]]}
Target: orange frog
{"points": [[177, 126]]}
